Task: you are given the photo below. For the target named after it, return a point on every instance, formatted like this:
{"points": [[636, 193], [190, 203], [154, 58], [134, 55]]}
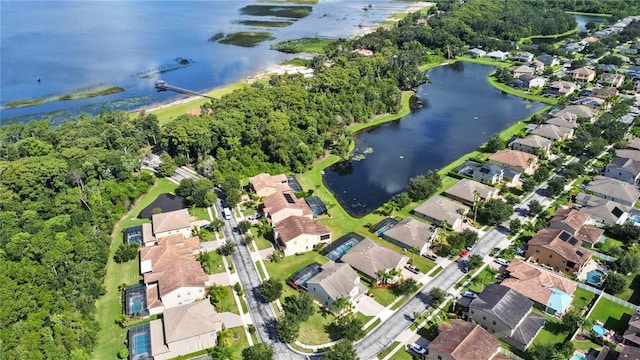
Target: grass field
{"points": [[582, 298], [302, 45], [290, 264], [313, 331], [111, 337], [613, 316]]}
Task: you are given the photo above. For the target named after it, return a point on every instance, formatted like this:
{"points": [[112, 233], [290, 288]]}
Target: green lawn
{"points": [[402, 355], [552, 333], [214, 265], [111, 337], [383, 296], [485, 277], [228, 303], [313, 331], [582, 298], [200, 213], [386, 351], [290, 264], [614, 316]]}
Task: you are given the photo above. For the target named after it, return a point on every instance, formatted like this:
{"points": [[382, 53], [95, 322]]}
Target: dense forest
{"points": [[61, 191]]}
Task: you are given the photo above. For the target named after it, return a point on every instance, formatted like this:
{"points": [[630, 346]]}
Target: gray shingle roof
{"points": [[504, 303], [411, 232], [370, 258], [630, 165], [614, 188], [337, 279]]}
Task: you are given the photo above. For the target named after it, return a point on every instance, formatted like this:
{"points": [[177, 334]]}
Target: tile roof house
{"points": [[613, 189], [461, 340], [575, 223], [548, 291], [532, 143], [370, 259], [537, 65], [281, 205], [488, 173], [412, 234], [629, 154], [507, 314], [603, 211], [563, 88], [583, 74], [524, 57], [516, 160], [548, 60], [438, 209], [577, 112], [364, 52], [613, 80], [173, 222], [185, 329], [264, 184], [558, 249], [299, 234], [532, 81], [336, 280], [465, 191], [627, 170], [553, 132], [561, 122], [476, 53], [172, 274], [604, 92], [593, 102], [522, 70]]}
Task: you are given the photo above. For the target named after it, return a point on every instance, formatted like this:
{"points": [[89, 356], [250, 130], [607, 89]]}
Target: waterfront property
{"points": [[553, 132], [412, 234], [282, 204], [519, 161], [558, 249], [507, 314], [171, 223], [265, 184], [532, 143], [438, 209], [469, 192], [371, 260], [335, 281], [299, 234]]}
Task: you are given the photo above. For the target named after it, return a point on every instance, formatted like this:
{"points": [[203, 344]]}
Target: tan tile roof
{"points": [[577, 110], [603, 93], [589, 234], [265, 180], [562, 122], [464, 189], [173, 264], [513, 158], [370, 258], [153, 298], [147, 233], [551, 131], [584, 71], [278, 202], [337, 279], [411, 232], [534, 141], [172, 220], [190, 320], [294, 226], [536, 283], [465, 341], [158, 345], [575, 219], [441, 208], [552, 239]]}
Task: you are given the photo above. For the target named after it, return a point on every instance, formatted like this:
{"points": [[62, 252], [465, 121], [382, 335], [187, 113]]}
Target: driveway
{"points": [[368, 306], [231, 320], [220, 279]]}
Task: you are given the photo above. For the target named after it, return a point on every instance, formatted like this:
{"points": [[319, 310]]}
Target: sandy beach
{"points": [[280, 69]]}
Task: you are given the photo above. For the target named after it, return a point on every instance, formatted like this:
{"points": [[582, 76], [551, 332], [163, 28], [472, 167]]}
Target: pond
{"points": [[166, 202], [460, 111]]}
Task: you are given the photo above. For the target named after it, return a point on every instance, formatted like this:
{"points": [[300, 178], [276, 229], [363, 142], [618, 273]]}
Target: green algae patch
{"points": [[281, 11], [246, 38]]}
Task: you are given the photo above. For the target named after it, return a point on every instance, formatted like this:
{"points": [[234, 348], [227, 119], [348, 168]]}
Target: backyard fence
{"points": [[609, 296]]}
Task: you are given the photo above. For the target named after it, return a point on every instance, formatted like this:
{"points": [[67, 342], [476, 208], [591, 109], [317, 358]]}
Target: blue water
{"points": [[71, 45], [142, 344], [595, 276], [577, 357], [636, 219], [461, 110], [599, 330], [341, 250], [136, 304]]}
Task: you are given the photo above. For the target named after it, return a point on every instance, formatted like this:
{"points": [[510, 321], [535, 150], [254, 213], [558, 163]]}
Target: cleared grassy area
{"points": [[313, 331], [200, 213], [582, 298], [554, 36], [228, 302], [290, 264], [402, 355], [614, 316], [485, 277], [111, 337], [214, 263], [485, 61], [405, 109], [552, 333], [306, 45], [297, 62], [260, 241], [519, 93], [383, 296], [586, 345], [246, 38]]}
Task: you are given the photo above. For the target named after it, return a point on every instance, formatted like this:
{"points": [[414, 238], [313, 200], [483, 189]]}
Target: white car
{"points": [[503, 262], [417, 349], [469, 294]]}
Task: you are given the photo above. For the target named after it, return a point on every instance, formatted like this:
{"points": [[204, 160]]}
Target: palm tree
{"points": [[476, 197]]}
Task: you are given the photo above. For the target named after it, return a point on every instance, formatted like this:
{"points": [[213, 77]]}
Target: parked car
{"points": [[469, 294], [431, 257], [412, 268], [464, 253], [503, 262], [417, 349], [206, 227]]}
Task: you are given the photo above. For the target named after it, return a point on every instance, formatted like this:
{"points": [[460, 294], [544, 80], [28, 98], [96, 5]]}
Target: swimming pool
{"points": [[339, 251], [577, 357], [599, 330], [135, 304], [595, 277]]}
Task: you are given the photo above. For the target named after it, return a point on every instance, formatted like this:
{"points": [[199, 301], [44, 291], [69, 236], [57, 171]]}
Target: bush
{"points": [[126, 252]]}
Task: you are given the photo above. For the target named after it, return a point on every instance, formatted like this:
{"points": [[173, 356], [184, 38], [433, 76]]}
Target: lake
{"points": [[461, 110], [165, 202], [72, 45]]}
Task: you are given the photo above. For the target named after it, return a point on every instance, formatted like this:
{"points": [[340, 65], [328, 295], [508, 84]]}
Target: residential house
{"points": [[364, 52], [548, 291], [438, 209], [468, 192], [412, 234], [517, 160], [298, 234], [628, 51], [461, 340], [562, 88], [634, 143], [335, 281], [627, 170], [636, 84], [184, 330], [522, 70], [583, 74], [475, 53], [264, 184], [608, 68], [593, 102], [554, 133], [548, 60], [171, 223], [532, 143], [172, 274], [603, 211], [524, 57], [578, 112], [536, 65], [141, 235], [532, 81], [614, 80], [558, 249], [590, 39], [629, 353], [498, 55], [629, 154], [283, 204], [506, 314], [488, 173], [575, 223], [562, 122], [517, 84], [572, 47], [632, 334], [372, 260], [604, 92], [607, 353]]}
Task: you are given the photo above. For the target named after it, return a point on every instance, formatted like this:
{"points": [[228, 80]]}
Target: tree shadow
{"points": [[635, 285], [554, 327], [618, 325]]}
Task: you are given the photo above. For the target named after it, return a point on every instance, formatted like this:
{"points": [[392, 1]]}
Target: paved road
{"points": [[385, 334]]}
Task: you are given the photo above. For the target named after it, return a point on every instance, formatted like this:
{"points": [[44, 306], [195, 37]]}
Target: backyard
{"points": [[614, 316]]}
